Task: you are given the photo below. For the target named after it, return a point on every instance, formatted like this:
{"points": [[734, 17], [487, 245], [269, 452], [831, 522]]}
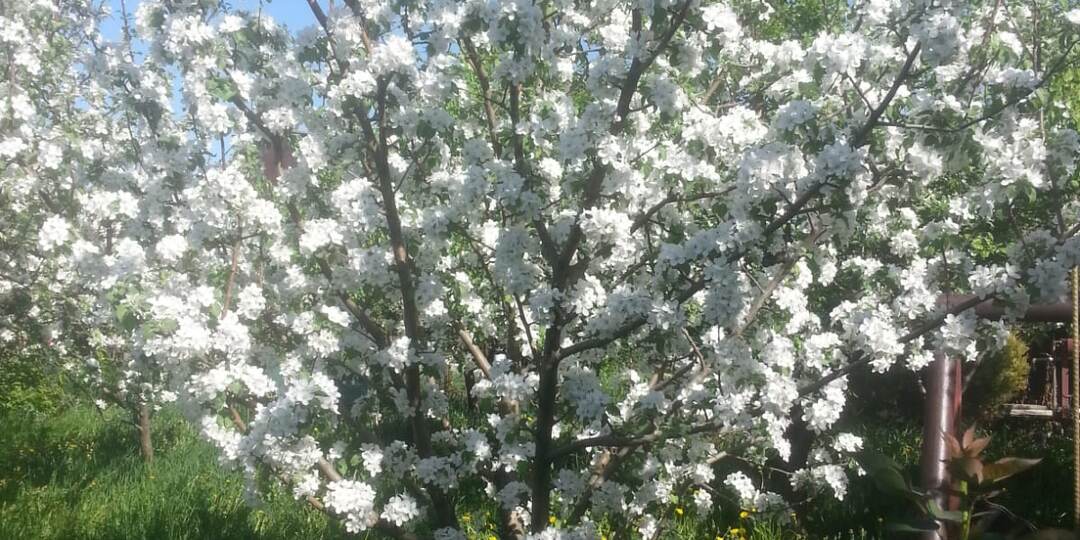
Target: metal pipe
{"points": [[937, 422], [1074, 399], [1057, 312]]}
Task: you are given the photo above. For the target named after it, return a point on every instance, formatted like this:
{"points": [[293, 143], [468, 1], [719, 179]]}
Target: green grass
{"points": [[73, 473], [77, 474]]}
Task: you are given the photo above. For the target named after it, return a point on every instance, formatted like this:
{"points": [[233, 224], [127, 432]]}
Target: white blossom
{"points": [[55, 232], [355, 501]]}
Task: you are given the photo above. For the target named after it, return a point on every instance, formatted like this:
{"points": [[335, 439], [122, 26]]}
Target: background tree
{"points": [[69, 222]]}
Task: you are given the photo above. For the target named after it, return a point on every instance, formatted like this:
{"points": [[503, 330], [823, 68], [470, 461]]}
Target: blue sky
{"points": [[293, 14]]}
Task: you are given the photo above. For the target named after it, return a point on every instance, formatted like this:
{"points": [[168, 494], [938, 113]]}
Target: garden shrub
{"points": [[29, 383], [1001, 378]]}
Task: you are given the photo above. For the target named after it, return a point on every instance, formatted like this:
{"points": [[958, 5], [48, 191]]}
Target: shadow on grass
{"points": [[74, 447]]}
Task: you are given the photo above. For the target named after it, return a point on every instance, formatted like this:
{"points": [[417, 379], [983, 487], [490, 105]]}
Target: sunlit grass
{"points": [[78, 474]]}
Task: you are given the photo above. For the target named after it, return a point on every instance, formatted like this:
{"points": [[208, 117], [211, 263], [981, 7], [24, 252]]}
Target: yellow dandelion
{"points": [[744, 514], [678, 510], [552, 520]]}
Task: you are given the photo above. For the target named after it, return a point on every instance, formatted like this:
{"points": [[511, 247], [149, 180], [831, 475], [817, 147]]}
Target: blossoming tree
{"points": [[581, 257], [61, 290]]}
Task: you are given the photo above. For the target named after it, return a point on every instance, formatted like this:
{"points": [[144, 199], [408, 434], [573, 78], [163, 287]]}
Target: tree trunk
{"points": [[470, 381], [142, 422]]}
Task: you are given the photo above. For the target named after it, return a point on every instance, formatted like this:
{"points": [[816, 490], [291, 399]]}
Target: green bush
{"points": [[29, 382], [1001, 378]]}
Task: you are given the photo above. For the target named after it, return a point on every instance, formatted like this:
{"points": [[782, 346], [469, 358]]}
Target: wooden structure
{"points": [[1049, 389]]}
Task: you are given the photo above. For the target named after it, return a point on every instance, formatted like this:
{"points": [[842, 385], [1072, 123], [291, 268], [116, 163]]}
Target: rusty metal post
{"points": [[1074, 399], [994, 311], [937, 422]]}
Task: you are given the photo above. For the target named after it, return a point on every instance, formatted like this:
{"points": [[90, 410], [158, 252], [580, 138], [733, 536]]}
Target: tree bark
{"points": [[142, 422]]}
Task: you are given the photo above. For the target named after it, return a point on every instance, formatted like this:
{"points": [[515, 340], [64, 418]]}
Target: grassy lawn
{"points": [[77, 474]]}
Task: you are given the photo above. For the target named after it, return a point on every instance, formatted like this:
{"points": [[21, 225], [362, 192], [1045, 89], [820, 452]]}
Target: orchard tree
{"points": [[69, 227], [577, 259]]}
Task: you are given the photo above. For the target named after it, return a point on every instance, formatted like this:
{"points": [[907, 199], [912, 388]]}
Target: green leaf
{"points": [[872, 461], [935, 509], [166, 326], [1029, 190], [1006, 467], [127, 319], [885, 473], [914, 525], [424, 130], [221, 88]]}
